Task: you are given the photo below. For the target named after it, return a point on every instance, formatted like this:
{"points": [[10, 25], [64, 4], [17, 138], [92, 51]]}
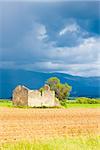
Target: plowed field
{"points": [[16, 123]]}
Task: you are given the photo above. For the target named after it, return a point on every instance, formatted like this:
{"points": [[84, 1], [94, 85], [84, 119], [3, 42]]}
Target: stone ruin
{"points": [[22, 96]]}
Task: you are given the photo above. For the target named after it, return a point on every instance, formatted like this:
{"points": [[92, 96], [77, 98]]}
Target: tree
{"points": [[61, 90]]}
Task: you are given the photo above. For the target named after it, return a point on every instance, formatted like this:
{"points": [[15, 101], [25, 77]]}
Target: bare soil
{"points": [[17, 123]]}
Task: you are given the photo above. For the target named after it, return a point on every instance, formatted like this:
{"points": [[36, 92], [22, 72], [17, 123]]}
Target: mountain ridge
{"points": [[81, 86]]}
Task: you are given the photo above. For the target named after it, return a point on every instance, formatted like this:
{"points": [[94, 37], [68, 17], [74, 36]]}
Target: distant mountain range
{"points": [[81, 86]]}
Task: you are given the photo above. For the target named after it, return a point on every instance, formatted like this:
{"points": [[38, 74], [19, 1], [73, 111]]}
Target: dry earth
{"points": [[17, 123]]}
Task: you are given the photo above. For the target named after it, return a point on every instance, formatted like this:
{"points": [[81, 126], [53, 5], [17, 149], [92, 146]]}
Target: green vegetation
{"points": [[61, 90], [6, 103], [75, 105], [81, 102], [64, 104], [61, 143], [85, 100]]}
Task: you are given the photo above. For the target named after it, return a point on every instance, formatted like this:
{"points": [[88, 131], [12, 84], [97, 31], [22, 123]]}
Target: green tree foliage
{"points": [[61, 90], [86, 100]]}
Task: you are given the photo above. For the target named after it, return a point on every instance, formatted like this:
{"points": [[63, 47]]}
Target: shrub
{"points": [[85, 100]]}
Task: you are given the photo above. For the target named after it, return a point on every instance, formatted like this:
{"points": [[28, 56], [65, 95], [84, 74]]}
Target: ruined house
{"points": [[22, 96]]}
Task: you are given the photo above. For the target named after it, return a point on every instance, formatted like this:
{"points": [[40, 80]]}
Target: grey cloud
{"points": [[30, 39]]}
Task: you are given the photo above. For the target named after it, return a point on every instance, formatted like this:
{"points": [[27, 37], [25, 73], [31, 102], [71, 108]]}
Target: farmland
{"points": [[18, 124], [49, 128]]}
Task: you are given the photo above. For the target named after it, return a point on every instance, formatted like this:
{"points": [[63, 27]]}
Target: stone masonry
{"points": [[23, 96]]}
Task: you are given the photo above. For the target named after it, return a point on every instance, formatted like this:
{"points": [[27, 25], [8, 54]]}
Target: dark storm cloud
{"points": [[50, 36]]}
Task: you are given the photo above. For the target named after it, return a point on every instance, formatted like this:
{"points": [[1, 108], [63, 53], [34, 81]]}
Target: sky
{"points": [[50, 36]]}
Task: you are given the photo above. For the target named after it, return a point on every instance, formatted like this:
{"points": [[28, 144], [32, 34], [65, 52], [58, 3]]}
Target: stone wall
{"points": [[48, 98], [34, 98], [20, 96], [25, 97], [37, 98]]}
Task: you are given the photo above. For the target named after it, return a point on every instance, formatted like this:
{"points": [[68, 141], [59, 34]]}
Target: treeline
{"points": [[85, 100]]}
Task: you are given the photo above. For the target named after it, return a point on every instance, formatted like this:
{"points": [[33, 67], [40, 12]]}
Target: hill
{"points": [[82, 86]]}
